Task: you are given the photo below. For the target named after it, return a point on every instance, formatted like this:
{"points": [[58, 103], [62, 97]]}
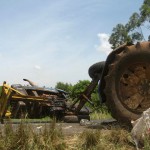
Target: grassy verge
{"points": [[104, 140], [116, 137], [51, 137], [24, 137]]}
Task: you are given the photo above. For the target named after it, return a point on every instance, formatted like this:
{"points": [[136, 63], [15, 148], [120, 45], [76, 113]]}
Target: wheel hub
{"points": [[135, 87]]}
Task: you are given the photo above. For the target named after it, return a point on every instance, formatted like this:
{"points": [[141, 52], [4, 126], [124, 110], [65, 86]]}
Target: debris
{"points": [[68, 127], [141, 129], [85, 122], [39, 127]]}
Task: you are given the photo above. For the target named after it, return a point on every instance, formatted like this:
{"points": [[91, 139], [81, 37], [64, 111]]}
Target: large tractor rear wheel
{"points": [[127, 87]]}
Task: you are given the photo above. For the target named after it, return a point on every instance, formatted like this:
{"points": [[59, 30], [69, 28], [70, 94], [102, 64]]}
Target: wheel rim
{"points": [[134, 87]]}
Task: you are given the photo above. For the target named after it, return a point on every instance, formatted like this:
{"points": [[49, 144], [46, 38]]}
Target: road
{"points": [[67, 128]]}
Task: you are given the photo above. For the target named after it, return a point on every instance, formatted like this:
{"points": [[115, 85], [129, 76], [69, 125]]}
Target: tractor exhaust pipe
{"points": [[30, 82]]}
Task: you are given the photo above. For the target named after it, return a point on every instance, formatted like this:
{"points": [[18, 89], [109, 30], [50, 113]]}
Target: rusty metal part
{"points": [[85, 96], [30, 82]]}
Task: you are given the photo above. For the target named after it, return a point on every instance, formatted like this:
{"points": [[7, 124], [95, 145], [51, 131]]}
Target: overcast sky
{"points": [[48, 41]]}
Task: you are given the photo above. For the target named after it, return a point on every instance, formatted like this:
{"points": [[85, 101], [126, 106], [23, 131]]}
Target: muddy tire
{"points": [[127, 87], [96, 69]]}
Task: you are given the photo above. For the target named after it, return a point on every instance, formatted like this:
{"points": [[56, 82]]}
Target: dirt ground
{"points": [[76, 128]]}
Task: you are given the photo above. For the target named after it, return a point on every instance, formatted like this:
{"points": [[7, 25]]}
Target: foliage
{"points": [[145, 11], [119, 36], [132, 30], [64, 86], [79, 87]]}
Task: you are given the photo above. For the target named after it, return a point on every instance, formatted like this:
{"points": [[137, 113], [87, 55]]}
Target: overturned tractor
{"points": [[124, 81], [37, 102], [124, 85]]}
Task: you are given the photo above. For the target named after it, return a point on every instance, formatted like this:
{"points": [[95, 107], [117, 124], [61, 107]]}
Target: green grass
{"points": [[101, 112], [99, 115]]}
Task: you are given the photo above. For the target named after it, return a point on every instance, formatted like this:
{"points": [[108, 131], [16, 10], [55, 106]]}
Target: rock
{"points": [[85, 122]]}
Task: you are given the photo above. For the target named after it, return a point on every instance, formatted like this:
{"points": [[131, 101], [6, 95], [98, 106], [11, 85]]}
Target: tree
{"points": [[145, 11], [119, 36], [134, 22], [64, 86], [79, 87], [132, 30]]}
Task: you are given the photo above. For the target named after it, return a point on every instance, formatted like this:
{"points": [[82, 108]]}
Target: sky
{"points": [[50, 41]]}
